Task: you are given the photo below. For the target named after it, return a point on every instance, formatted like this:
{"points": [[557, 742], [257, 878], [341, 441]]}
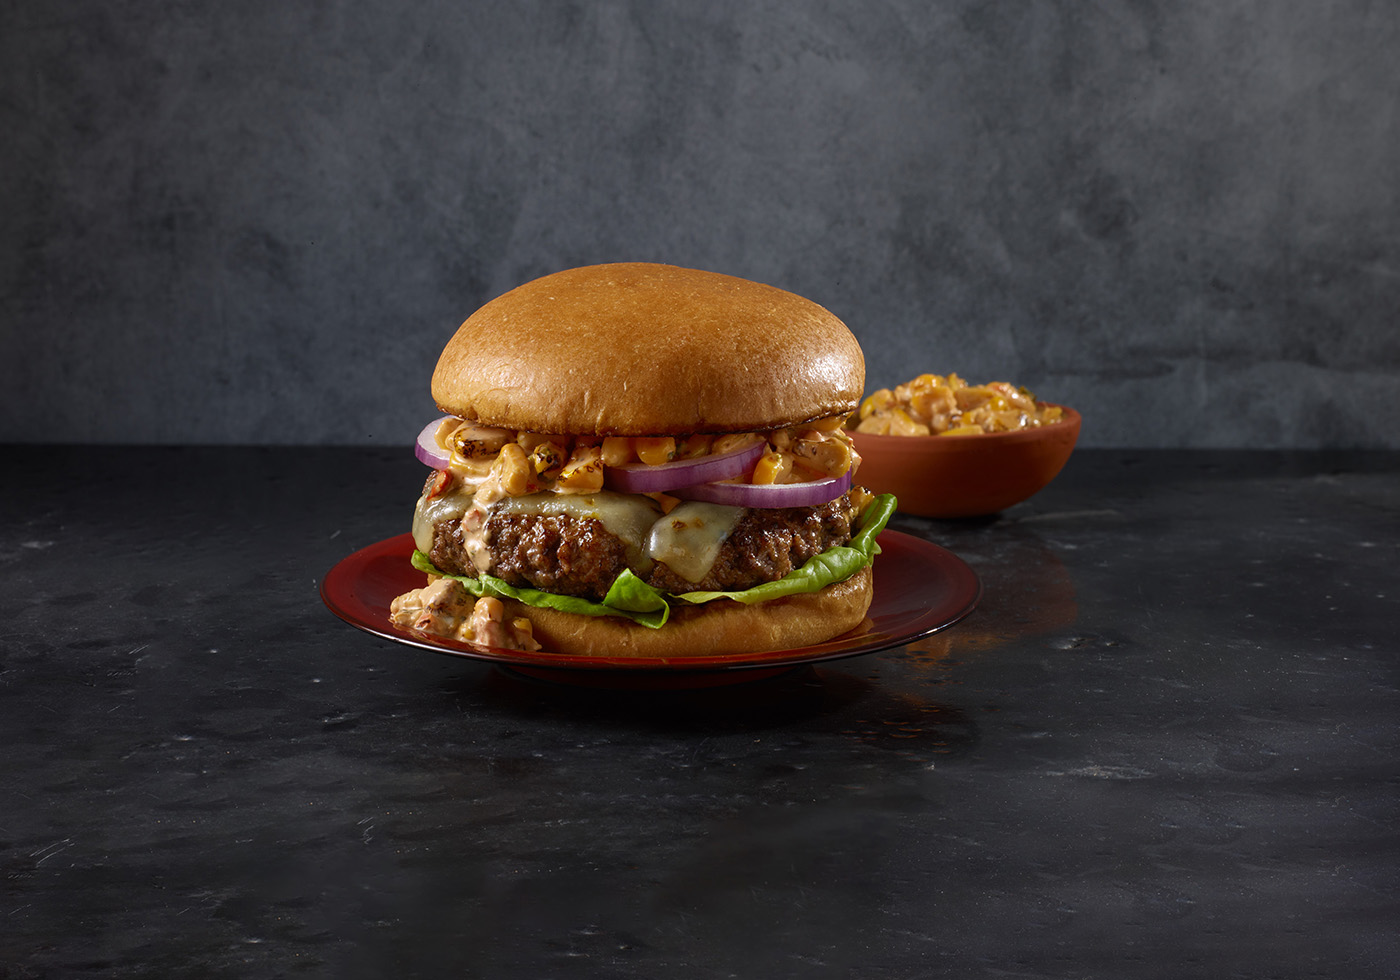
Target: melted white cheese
{"points": [[688, 539], [449, 506], [627, 516]]}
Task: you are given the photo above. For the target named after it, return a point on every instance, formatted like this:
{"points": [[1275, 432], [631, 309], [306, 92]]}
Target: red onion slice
{"points": [[768, 494], [664, 477], [427, 450]]}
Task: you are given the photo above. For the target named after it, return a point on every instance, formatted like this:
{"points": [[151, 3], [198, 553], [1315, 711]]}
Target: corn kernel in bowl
{"points": [[935, 404], [1023, 445]]}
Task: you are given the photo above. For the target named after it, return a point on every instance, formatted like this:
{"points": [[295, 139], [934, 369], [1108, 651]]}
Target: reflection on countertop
{"points": [[1165, 743]]}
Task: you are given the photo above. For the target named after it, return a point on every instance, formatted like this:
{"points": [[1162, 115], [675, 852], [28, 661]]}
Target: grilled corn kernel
{"points": [[830, 457], [513, 470], [772, 467], [656, 450], [476, 441], [901, 424], [876, 425], [935, 404], [583, 471], [929, 404], [617, 451], [547, 458], [879, 401]]}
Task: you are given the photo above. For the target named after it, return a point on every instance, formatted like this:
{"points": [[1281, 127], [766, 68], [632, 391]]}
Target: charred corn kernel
{"points": [[829, 457], [877, 425], [477, 441], [734, 440], [901, 424], [617, 451], [962, 430], [832, 424], [655, 450], [1020, 403], [513, 470], [922, 405], [880, 401], [772, 467], [693, 446], [547, 457], [969, 398], [583, 471]]}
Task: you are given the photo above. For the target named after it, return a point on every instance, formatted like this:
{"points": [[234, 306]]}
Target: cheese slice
{"points": [[688, 539], [627, 516], [450, 506]]}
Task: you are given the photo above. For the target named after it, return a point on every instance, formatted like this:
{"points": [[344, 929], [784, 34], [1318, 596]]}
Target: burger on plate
{"points": [[641, 460]]}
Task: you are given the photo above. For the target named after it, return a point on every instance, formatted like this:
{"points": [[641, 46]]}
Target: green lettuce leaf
{"points": [[634, 599], [833, 565], [618, 602]]}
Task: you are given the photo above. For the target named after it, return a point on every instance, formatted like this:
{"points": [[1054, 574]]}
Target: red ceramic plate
{"points": [[920, 589]]}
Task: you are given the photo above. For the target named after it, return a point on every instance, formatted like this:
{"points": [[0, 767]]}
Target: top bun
{"points": [[638, 349]]}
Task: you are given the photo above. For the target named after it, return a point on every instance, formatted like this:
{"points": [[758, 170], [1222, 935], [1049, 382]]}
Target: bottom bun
{"points": [[712, 629]]}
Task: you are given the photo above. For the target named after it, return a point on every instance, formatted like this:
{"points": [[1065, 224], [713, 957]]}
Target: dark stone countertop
{"points": [[1165, 745]]}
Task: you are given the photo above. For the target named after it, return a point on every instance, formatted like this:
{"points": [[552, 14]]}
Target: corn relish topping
{"points": [[521, 462], [934, 404]]}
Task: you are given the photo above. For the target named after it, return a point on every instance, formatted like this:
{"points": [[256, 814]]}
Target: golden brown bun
{"points": [[712, 629], [642, 349]]}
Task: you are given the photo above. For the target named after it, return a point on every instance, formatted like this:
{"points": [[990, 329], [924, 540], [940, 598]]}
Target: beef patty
{"points": [[579, 556]]}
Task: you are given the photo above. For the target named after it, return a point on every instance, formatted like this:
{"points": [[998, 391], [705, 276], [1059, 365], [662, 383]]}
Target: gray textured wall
{"points": [[260, 221]]}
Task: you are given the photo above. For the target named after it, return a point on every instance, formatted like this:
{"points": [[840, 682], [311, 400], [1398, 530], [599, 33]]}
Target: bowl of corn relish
{"points": [[946, 448]]}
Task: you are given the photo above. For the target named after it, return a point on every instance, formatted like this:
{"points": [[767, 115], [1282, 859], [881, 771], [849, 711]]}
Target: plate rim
{"points": [[964, 585]]}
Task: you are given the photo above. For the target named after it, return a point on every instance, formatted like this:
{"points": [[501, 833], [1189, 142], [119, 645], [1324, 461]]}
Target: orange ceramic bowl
{"points": [[965, 476]]}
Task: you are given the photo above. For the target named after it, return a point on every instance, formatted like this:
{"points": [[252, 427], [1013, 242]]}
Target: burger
{"points": [[642, 460]]}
